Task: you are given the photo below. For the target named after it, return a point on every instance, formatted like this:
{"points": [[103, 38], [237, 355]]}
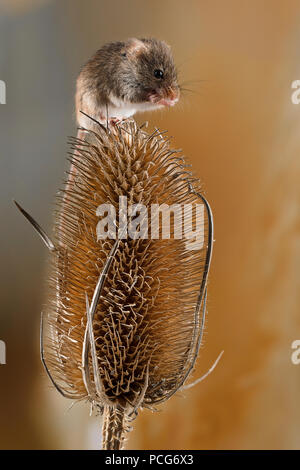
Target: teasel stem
{"points": [[114, 428]]}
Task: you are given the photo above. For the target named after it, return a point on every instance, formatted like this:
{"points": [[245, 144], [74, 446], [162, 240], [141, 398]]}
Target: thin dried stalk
{"points": [[114, 428]]}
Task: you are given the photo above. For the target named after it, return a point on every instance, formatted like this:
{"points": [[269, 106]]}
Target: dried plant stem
{"points": [[114, 428]]}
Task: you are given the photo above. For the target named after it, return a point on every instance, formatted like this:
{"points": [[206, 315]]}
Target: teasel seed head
{"points": [[124, 321]]}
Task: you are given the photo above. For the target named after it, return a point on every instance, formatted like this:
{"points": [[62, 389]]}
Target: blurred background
{"points": [[240, 131]]}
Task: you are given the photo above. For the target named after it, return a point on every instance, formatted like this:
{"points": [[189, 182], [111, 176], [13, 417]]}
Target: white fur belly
{"points": [[123, 110], [118, 109]]}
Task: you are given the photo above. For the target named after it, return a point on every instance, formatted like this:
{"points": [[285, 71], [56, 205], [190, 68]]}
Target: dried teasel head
{"points": [[125, 317]]}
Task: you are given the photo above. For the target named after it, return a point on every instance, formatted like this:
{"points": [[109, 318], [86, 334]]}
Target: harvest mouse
{"points": [[120, 79], [123, 78]]}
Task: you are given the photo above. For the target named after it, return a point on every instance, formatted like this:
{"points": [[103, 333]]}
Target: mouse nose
{"points": [[173, 94]]}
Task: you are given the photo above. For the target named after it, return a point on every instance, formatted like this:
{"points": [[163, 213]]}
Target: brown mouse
{"points": [[123, 78]]}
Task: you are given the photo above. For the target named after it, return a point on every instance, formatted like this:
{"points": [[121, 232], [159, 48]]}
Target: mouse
{"points": [[120, 79], [123, 78]]}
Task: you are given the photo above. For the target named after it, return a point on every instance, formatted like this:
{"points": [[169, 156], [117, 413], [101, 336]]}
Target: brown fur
{"points": [[125, 70]]}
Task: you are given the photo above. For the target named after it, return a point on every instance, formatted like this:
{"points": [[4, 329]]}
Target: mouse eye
{"points": [[123, 54], [158, 73]]}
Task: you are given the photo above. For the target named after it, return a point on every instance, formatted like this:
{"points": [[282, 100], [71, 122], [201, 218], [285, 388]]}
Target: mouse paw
{"points": [[114, 120]]}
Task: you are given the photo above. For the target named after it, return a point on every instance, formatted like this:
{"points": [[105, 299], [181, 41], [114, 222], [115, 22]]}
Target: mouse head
{"points": [[153, 70]]}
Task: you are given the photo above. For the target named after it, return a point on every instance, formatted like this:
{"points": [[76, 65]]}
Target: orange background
{"points": [[240, 131]]}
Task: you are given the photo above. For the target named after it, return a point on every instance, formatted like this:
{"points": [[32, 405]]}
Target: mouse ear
{"points": [[135, 45]]}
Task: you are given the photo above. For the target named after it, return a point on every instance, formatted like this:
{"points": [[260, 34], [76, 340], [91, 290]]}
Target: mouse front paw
{"points": [[114, 120]]}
